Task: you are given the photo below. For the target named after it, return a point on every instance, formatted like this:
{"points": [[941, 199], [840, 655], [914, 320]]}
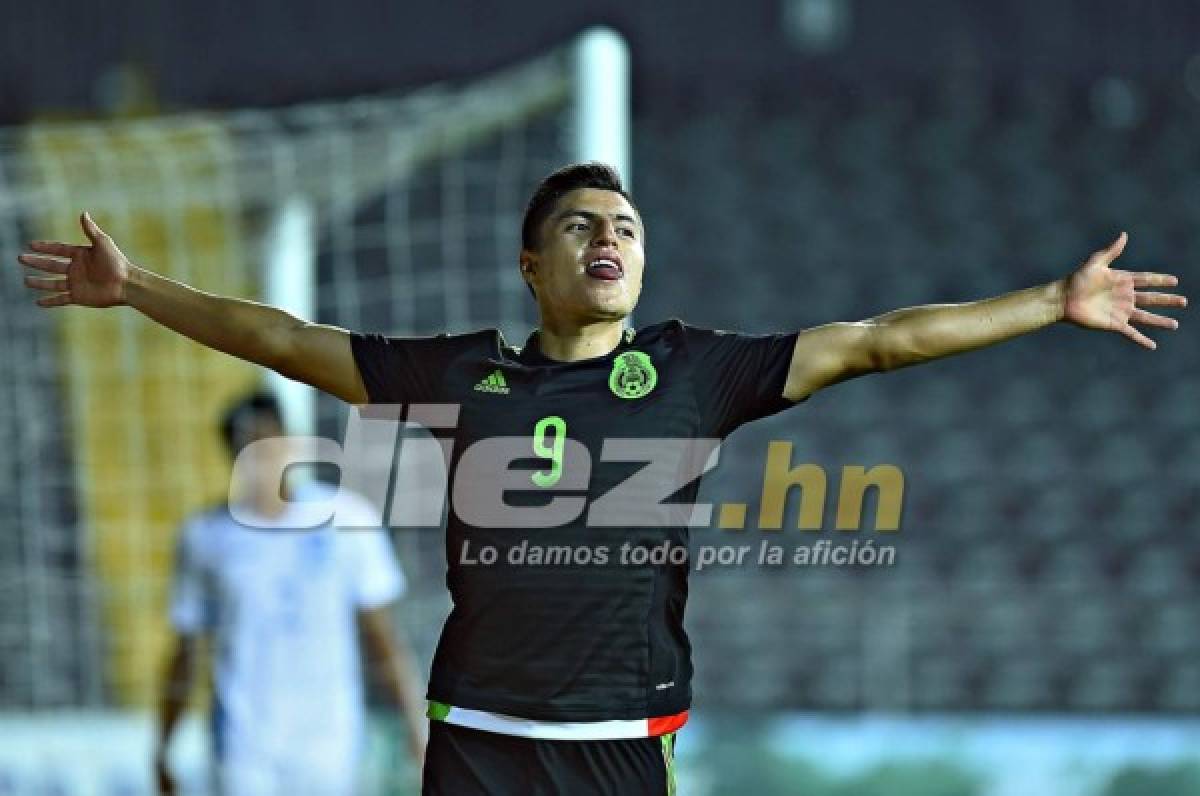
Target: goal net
{"points": [[397, 214]]}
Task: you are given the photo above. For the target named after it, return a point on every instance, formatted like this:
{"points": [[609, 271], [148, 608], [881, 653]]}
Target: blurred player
{"points": [[567, 679], [283, 610]]}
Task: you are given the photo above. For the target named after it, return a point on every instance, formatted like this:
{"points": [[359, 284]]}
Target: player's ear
{"points": [[528, 266]]}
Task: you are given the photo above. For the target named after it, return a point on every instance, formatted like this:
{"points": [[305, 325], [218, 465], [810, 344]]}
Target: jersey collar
{"points": [[531, 352]]}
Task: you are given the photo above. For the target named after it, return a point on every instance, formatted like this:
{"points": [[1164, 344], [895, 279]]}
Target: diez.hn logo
{"points": [[486, 472]]}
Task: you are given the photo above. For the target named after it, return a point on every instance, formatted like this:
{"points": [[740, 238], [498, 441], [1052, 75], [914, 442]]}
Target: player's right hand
{"points": [[87, 276]]}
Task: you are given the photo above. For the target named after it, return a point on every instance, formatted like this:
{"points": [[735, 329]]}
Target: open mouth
{"points": [[605, 268]]}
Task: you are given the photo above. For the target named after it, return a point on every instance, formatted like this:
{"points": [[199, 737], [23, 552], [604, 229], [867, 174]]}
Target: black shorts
{"points": [[460, 761]]}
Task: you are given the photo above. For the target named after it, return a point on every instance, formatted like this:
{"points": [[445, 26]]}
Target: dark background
{"points": [[686, 54]]}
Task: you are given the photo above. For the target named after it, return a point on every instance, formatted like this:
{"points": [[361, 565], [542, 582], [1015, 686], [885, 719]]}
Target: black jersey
{"points": [[573, 640]]}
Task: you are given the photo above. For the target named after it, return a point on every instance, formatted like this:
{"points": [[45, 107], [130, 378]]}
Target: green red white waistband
{"points": [[615, 729]]}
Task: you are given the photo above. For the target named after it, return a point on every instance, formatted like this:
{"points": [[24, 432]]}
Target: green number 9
{"points": [[550, 448]]}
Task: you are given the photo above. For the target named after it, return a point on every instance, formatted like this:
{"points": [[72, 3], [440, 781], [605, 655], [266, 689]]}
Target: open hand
{"points": [[88, 276], [1100, 297]]}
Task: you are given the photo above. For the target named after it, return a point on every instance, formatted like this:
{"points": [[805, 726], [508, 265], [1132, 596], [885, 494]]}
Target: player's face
{"points": [[588, 266]]}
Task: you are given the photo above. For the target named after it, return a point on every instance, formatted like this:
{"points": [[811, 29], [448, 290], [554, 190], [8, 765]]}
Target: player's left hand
{"points": [[1100, 297]]}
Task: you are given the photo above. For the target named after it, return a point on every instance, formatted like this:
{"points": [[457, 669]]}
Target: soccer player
{"points": [[572, 679], [284, 610]]}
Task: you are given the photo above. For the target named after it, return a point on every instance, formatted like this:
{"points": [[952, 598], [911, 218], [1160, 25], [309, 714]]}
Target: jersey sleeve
{"points": [[376, 576], [738, 377], [191, 603], [403, 369]]}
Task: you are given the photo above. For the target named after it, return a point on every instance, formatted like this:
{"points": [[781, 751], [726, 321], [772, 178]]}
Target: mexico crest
{"points": [[633, 375]]}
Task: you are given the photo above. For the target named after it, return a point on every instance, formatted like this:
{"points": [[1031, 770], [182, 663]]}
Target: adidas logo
{"points": [[493, 383]]}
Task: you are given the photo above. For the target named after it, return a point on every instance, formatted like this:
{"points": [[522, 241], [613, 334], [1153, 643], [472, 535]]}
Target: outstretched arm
{"points": [[1094, 296], [100, 275]]}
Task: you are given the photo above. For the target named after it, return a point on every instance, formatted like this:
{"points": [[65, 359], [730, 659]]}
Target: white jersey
{"points": [[280, 607]]}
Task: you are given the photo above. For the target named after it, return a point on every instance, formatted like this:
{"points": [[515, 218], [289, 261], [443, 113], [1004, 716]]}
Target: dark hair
{"points": [[553, 187], [240, 412]]}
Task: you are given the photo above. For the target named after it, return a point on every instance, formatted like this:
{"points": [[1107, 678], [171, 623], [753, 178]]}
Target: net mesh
{"points": [[416, 203]]}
